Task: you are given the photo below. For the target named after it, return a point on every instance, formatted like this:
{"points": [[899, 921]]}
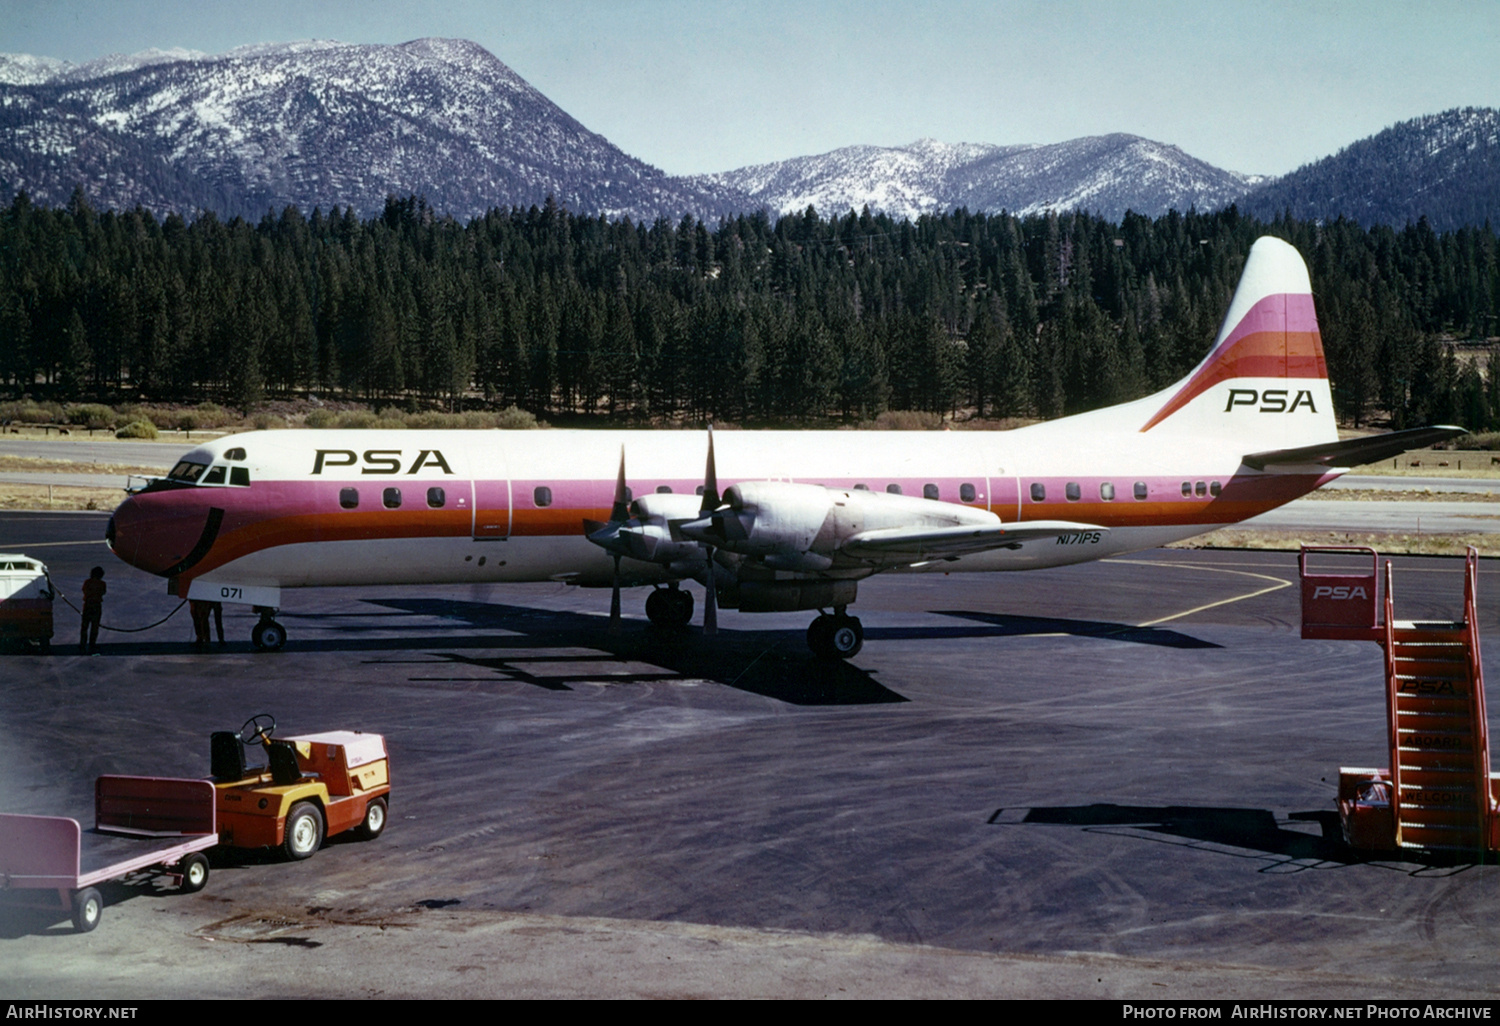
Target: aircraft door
{"points": [[491, 496]]}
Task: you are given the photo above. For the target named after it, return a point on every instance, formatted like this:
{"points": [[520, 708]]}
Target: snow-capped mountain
{"points": [[314, 124], [1445, 167], [1106, 174], [322, 123]]}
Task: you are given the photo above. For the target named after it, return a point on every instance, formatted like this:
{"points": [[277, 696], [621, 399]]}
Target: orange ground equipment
{"points": [[1437, 793], [314, 786]]}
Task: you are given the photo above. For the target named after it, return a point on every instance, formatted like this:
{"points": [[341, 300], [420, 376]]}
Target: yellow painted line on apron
{"points": [[1280, 583]]}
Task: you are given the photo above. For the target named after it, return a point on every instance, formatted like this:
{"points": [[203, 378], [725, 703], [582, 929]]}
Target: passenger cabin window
{"points": [[349, 498], [966, 493], [1075, 492], [893, 489], [1213, 488], [187, 472], [698, 491], [1187, 488], [1140, 489], [391, 498], [1038, 492], [542, 496], [436, 497], [237, 454], [215, 475], [1200, 489], [239, 476], [663, 489], [930, 491], [1107, 491], [861, 488]]}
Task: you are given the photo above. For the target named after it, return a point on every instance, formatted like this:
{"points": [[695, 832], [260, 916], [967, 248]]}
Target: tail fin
{"points": [[1265, 381]]}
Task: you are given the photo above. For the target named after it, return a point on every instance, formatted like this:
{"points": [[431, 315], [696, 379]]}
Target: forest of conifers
{"points": [[754, 321]]}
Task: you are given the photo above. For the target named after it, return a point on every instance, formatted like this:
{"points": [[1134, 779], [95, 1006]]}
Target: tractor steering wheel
{"points": [[257, 729]]}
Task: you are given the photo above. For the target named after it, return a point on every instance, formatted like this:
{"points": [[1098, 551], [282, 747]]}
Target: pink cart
{"points": [[143, 827]]}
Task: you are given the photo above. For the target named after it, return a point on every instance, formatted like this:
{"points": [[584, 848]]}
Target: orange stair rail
{"points": [[1437, 793]]}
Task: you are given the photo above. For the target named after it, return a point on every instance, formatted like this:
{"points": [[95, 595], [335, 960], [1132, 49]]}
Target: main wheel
{"points": [[670, 607], [268, 635], [835, 637], [304, 832], [680, 607], [374, 824], [657, 607], [194, 871], [847, 638], [88, 907]]}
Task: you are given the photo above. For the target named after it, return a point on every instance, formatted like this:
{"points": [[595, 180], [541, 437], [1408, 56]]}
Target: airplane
{"points": [[808, 515]]}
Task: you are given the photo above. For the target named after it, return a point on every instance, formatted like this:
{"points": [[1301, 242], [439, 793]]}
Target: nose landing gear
{"points": [[268, 635]]}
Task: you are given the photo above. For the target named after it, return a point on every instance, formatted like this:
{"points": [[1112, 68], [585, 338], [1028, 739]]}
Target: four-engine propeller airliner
{"points": [[807, 515]]}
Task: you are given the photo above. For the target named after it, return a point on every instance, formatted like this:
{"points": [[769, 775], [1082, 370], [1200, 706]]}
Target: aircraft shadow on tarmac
{"points": [[772, 663], [1239, 833]]}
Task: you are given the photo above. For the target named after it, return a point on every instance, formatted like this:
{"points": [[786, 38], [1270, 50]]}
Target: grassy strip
{"points": [[51, 497], [1391, 543], [42, 465], [1392, 495]]}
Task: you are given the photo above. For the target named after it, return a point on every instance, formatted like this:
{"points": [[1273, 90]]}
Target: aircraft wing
{"points": [[897, 545], [1351, 452]]}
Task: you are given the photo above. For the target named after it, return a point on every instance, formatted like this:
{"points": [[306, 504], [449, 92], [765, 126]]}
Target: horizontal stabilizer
{"points": [[1352, 452], [909, 545]]}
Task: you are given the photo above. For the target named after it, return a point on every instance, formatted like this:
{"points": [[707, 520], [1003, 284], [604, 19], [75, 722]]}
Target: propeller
{"points": [[607, 535], [709, 504]]}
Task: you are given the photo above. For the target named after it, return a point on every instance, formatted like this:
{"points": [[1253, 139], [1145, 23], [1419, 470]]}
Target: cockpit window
{"points": [[214, 476], [187, 471], [239, 476], [237, 454]]}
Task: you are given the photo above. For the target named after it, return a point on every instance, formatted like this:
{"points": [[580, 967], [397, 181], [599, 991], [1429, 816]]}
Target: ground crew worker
{"points": [[198, 609], [93, 611]]}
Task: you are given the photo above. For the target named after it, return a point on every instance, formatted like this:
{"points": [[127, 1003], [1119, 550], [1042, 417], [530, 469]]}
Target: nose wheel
{"points": [[839, 636], [268, 635]]}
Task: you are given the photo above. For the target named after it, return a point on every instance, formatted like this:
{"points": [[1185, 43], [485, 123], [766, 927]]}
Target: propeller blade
{"points": [[709, 504], [606, 533], [711, 600], [620, 512], [614, 601], [710, 479]]}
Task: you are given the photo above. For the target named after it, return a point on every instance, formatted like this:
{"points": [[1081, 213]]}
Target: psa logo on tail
{"points": [[1272, 400]]}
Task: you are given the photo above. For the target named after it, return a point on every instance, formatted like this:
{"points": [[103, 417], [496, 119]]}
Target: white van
{"points": [[25, 601]]}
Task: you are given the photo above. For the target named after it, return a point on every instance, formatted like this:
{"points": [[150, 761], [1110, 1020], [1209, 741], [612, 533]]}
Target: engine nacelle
{"points": [[779, 522], [651, 536]]}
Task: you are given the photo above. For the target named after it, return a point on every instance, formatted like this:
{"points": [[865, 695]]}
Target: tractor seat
{"points": [[284, 768], [226, 756]]}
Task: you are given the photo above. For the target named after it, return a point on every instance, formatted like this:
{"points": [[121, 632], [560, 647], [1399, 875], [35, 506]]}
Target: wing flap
{"points": [[897, 545], [1351, 452]]}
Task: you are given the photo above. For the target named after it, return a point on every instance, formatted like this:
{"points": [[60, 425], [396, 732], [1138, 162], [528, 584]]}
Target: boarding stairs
{"points": [[1438, 794]]}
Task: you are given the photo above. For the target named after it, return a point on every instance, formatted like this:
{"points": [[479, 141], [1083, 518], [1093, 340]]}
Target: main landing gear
{"points": [[670, 607], [268, 635], [839, 636]]}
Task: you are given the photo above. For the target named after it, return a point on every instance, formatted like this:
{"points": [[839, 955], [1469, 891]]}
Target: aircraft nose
{"points": [[154, 533]]}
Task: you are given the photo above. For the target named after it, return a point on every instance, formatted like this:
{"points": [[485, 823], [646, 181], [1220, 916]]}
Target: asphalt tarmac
{"points": [[1111, 780]]}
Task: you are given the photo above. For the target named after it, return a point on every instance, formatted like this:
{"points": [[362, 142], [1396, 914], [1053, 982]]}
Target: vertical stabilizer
{"points": [[1265, 381]]}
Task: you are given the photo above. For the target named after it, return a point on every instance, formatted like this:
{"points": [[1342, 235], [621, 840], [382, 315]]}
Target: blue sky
{"points": [[709, 85]]}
